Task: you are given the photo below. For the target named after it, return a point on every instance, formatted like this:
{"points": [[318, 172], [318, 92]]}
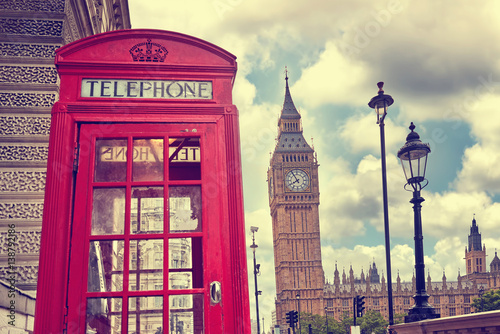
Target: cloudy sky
{"points": [[439, 60]]}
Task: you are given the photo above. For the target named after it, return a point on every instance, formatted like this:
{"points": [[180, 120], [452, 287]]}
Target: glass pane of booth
{"points": [[145, 315], [146, 210], [110, 160], [186, 314], [146, 265], [147, 160], [105, 272], [185, 258], [184, 159], [185, 208], [108, 211], [104, 315]]}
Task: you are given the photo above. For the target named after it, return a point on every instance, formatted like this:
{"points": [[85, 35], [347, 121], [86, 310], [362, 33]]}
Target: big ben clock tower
{"points": [[294, 199]]}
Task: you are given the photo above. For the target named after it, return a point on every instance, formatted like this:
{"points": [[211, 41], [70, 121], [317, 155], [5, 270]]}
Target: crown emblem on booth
{"points": [[148, 51]]}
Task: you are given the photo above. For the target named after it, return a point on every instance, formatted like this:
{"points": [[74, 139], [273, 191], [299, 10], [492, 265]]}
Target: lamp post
{"points": [[255, 272], [380, 103], [413, 156], [326, 319], [298, 310]]}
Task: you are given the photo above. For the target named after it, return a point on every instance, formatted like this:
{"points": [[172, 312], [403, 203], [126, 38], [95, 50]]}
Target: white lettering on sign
{"points": [[146, 154], [146, 89]]}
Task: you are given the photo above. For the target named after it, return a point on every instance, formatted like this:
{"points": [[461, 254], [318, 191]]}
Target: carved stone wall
{"points": [[33, 5], [22, 181], [25, 275], [21, 210], [24, 125], [25, 99], [15, 26], [30, 32], [23, 153], [28, 50], [28, 74], [28, 242]]}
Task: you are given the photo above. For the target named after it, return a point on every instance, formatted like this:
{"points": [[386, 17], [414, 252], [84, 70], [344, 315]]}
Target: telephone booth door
{"points": [[145, 237]]}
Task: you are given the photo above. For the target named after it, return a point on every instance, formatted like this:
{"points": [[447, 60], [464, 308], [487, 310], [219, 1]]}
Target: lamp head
{"points": [[413, 156], [380, 102]]}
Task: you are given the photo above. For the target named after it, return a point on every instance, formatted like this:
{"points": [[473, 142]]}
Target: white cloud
{"points": [[334, 79], [362, 134], [448, 256], [351, 200], [480, 162]]}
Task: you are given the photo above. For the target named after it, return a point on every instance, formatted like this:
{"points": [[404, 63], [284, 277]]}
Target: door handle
{"points": [[215, 292]]}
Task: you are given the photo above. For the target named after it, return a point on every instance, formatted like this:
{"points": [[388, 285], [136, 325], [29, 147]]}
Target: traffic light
{"points": [[292, 317], [360, 305], [295, 317], [289, 318]]}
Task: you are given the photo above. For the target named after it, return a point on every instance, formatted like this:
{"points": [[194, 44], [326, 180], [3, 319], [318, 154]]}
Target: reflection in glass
{"points": [[111, 160], [185, 208], [105, 266], [146, 210], [147, 160], [185, 258], [104, 315], [108, 211], [184, 159], [145, 315], [179, 252], [146, 264], [186, 313], [180, 280]]}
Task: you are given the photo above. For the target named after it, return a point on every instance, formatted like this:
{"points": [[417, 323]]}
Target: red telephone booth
{"points": [[143, 227]]}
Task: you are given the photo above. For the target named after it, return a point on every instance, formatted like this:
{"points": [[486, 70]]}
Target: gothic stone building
{"points": [[30, 32], [294, 199]]}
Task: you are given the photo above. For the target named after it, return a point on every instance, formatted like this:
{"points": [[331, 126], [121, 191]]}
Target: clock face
{"points": [[297, 180]]}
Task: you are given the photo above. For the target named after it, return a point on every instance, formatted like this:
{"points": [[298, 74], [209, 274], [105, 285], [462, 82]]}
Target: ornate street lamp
{"points": [[380, 103], [413, 156], [256, 267]]}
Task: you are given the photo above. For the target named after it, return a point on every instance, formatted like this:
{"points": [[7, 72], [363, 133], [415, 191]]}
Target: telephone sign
{"points": [[147, 89], [143, 227]]}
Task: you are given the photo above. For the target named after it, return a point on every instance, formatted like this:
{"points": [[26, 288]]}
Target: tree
{"points": [[490, 301], [373, 322], [346, 323], [399, 318], [318, 324]]}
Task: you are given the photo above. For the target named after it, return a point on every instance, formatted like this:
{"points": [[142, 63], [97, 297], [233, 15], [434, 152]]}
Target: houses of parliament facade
{"points": [[300, 281]]}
